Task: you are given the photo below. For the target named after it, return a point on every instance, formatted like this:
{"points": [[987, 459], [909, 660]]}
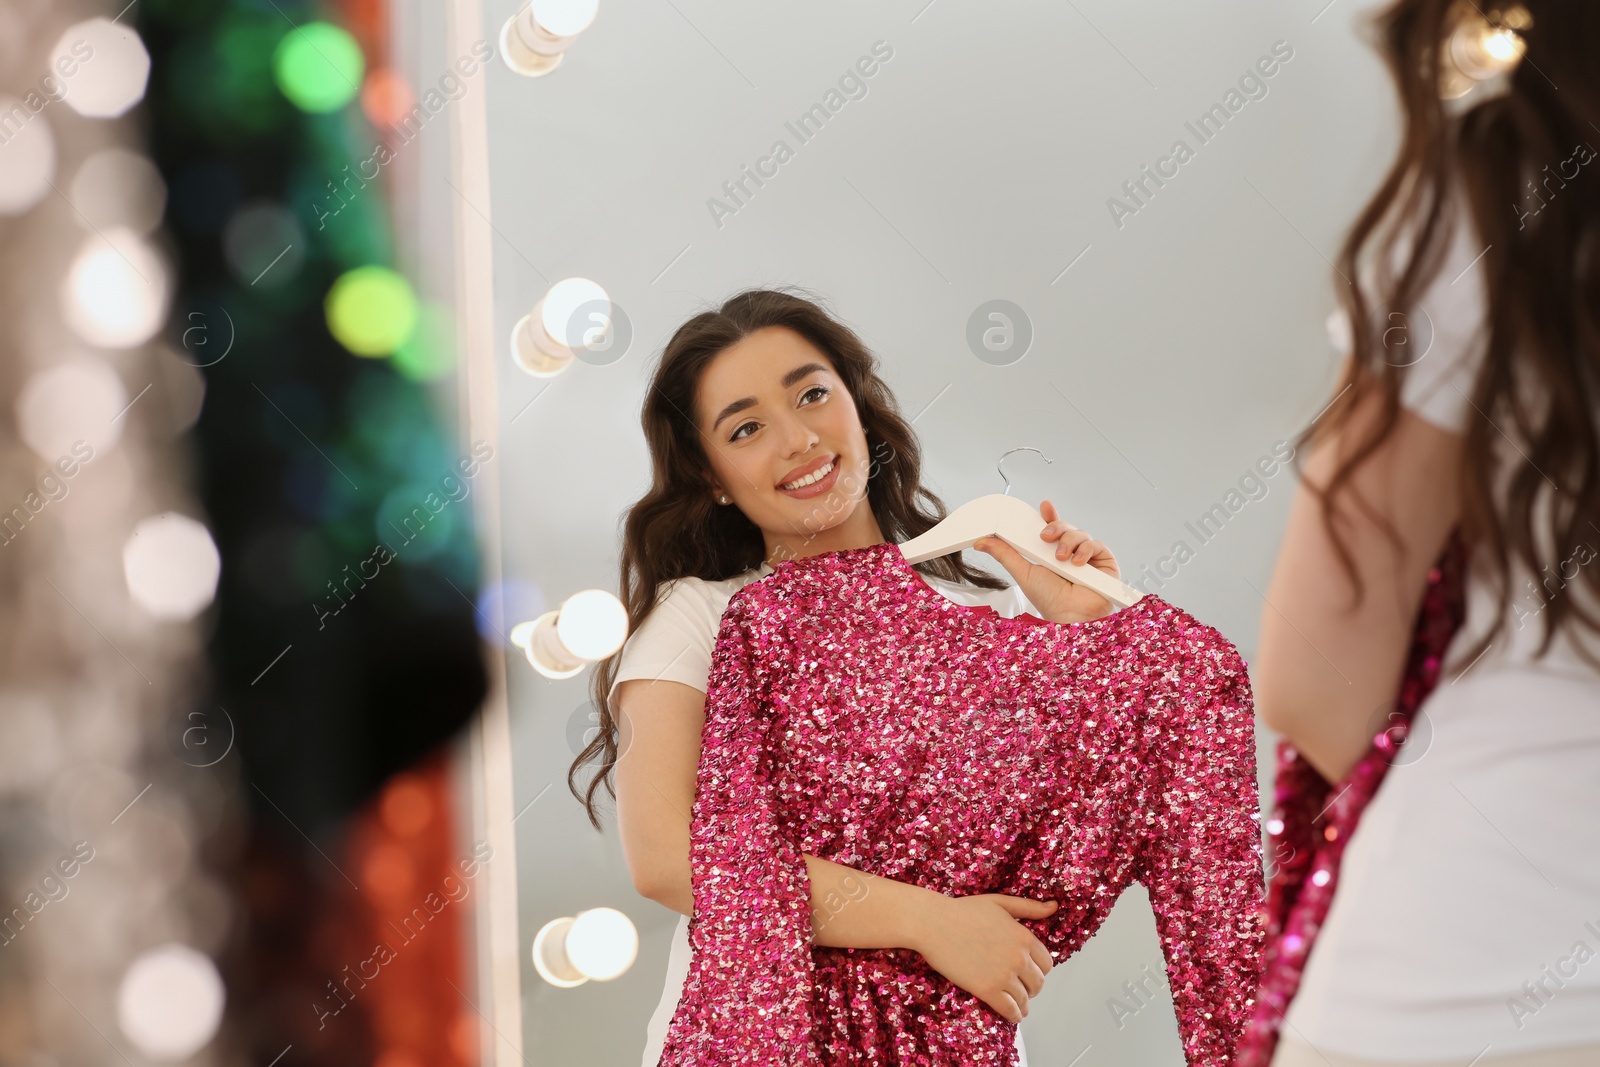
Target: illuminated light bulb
{"points": [[588, 627], [595, 945], [319, 67], [115, 292], [119, 188], [561, 305], [575, 313], [27, 159], [539, 643], [534, 40], [172, 566], [70, 411], [111, 67], [593, 624], [602, 943], [371, 310], [170, 1002]]}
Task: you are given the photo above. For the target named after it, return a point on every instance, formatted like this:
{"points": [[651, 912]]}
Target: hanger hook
{"points": [[1001, 465]]}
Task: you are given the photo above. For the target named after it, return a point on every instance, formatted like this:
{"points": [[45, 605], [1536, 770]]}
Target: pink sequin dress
{"points": [[856, 714]]}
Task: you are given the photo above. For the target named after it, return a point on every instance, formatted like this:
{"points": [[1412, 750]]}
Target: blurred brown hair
{"points": [[1543, 338]]}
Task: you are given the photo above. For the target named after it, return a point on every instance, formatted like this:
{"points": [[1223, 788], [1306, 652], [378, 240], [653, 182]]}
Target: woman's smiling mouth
{"points": [[815, 481]]}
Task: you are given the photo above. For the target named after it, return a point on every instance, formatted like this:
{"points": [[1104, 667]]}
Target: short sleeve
{"points": [[674, 641], [1199, 851], [1450, 330], [747, 996], [1437, 386]]}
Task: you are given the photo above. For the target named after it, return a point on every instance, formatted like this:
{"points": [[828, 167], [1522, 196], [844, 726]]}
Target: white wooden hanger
{"points": [[1019, 525]]}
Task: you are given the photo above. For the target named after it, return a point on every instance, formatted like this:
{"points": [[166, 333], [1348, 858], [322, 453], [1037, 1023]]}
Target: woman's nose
{"points": [[799, 438]]}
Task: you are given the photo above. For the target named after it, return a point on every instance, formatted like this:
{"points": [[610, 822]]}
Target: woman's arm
{"points": [[1325, 675], [659, 737], [975, 942]]}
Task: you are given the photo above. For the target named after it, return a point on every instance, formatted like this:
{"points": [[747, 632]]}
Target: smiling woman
{"points": [[774, 438]]}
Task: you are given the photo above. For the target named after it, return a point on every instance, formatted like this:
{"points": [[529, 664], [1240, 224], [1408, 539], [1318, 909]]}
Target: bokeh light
{"points": [[412, 529], [430, 353], [116, 187], [27, 160], [318, 67], [386, 97], [407, 807], [111, 67], [562, 303], [68, 403], [564, 17], [172, 566], [602, 943], [170, 1002], [371, 310], [501, 606], [115, 293], [222, 83], [388, 870], [264, 244], [593, 624]]}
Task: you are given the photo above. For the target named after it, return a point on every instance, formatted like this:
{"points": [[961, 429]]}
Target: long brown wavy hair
{"points": [[1538, 377], [677, 530]]}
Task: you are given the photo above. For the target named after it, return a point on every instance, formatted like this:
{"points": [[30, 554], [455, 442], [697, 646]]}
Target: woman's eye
{"points": [[734, 436]]}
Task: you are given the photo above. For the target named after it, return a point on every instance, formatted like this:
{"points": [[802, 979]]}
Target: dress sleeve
{"points": [[747, 997], [1199, 853]]}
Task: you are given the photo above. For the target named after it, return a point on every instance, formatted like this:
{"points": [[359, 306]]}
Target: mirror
{"points": [[1103, 232]]}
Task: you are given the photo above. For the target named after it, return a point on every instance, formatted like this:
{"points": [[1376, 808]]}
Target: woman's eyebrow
{"points": [[749, 401]]}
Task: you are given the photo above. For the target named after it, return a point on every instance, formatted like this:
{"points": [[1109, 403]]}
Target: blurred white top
{"points": [[1472, 884]]}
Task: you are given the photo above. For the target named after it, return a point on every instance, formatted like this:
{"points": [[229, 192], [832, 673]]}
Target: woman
{"points": [[772, 437], [1466, 921]]}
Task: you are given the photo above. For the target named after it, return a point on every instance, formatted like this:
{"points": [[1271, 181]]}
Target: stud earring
{"points": [[725, 500]]}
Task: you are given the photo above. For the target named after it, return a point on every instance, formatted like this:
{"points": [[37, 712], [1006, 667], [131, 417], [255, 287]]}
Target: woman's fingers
{"points": [[1019, 994], [1006, 1004], [1032, 977], [1070, 541], [1041, 956]]}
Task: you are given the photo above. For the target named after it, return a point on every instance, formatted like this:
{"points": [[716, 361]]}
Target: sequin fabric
{"points": [[1307, 832], [856, 714]]}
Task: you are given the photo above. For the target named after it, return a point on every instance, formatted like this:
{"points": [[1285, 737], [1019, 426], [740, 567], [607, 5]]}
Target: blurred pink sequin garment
{"points": [[856, 714]]}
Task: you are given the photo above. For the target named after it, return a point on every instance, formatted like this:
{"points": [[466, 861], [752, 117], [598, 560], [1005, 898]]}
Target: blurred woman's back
{"points": [[1467, 918]]}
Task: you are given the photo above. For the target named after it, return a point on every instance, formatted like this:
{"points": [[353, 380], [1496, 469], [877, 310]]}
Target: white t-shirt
{"points": [[674, 643], [1473, 879]]}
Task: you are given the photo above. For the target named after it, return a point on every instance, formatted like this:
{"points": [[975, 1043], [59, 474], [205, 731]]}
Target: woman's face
{"points": [[771, 412]]}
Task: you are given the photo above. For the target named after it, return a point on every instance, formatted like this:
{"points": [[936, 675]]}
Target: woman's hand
{"points": [[1058, 599], [978, 945]]}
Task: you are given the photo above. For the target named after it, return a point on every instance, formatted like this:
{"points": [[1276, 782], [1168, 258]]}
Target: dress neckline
{"points": [[888, 555]]}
